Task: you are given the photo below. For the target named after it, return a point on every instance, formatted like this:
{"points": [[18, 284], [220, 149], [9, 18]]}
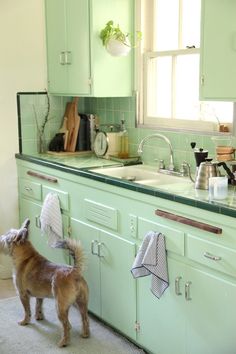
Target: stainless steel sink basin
{"points": [[140, 174]]}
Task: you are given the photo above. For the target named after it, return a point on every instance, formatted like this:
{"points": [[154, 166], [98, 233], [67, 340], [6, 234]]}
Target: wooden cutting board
{"points": [[73, 123]]}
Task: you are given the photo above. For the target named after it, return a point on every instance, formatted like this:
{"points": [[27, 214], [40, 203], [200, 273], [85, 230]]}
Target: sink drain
{"points": [[129, 178]]}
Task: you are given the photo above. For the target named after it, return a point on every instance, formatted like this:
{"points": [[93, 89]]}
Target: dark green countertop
{"points": [[81, 165]]}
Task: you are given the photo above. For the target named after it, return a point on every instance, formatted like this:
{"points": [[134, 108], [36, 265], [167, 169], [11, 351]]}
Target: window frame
{"points": [[144, 14]]}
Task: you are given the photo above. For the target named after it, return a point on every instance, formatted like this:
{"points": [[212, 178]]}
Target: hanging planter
{"points": [[116, 41], [118, 48]]}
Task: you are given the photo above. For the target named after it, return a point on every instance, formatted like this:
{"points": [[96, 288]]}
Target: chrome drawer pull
{"points": [[187, 291], [212, 257], [177, 288], [28, 189], [37, 221], [94, 242], [100, 244]]}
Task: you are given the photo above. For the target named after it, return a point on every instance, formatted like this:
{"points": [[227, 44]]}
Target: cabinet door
{"points": [[211, 314], [162, 321], [68, 46], [56, 45], [88, 235], [118, 289], [78, 46], [218, 50], [32, 211]]}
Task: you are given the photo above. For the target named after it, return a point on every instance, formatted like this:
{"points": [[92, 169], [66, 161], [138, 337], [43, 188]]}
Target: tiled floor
{"points": [[7, 288]]}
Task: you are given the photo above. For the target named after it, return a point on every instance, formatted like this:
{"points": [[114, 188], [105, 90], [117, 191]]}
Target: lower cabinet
{"points": [[162, 321], [32, 210], [197, 312], [210, 313], [194, 315], [112, 289]]}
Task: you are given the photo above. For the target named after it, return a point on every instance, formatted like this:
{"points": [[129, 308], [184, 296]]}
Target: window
{"points": [[169, 81]]}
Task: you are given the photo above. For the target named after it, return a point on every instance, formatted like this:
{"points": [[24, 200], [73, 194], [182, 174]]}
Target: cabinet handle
{"points": [[202, 80], [28, 189], [187, 291], [100, 244], [94, 242], [44, 177], [177, 287], [68, 58], [212, 257], [37, 221], [190, 222], [62, 58]]}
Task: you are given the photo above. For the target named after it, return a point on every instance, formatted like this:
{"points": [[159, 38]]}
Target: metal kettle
{"points": [[209, 169]]}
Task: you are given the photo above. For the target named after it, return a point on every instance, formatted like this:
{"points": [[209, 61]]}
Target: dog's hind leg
{"points": [[84, 315], [38, 309], [62, 313], [25, 300]]}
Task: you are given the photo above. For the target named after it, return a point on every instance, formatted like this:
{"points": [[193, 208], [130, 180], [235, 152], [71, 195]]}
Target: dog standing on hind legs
{"points": [[35, 276]]}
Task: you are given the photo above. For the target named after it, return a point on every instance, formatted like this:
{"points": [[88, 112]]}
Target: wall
{"points": [[22, 68]]}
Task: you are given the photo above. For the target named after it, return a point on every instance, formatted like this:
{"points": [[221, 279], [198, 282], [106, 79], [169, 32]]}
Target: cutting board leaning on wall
{"points": [[73, 123]]}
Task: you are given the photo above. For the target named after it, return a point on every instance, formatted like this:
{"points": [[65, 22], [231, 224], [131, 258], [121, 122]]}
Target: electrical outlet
{"points": [[133, 225]]}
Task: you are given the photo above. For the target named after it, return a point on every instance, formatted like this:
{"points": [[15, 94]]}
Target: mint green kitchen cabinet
{"points": [[197, 312], [89, 236], [32, 192], [112, 293], [78, 64], [211, 317], [194, 314], [68, 46], [162, 322], [218, 50]]}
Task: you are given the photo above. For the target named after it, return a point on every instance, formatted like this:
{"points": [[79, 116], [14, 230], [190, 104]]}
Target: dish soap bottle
{"points": [[124, 142]]}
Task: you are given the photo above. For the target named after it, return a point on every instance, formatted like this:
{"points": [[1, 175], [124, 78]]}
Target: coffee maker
{"points": [[199, 154]]}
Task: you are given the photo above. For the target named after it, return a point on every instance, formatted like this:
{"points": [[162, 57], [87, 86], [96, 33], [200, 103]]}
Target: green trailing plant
{"points": [[111, 31]]}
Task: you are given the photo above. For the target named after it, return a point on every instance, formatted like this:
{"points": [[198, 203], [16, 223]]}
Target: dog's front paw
{"points": [[39, 316], [62, 343], [24, 322]]}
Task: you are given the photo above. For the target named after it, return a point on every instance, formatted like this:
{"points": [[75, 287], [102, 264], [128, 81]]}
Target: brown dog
{"points": [[35, 276]]}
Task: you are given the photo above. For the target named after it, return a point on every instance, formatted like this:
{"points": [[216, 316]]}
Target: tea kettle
{"points": [[209, 169]]}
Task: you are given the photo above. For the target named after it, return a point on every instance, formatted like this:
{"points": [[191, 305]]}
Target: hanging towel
{"points": [[50, 218], [151, 260]]}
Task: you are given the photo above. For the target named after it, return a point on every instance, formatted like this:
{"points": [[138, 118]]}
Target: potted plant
{"points": [[117, 42]]}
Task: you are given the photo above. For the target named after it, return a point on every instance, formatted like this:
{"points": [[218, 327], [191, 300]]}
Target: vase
{"points": [[41, 143]]}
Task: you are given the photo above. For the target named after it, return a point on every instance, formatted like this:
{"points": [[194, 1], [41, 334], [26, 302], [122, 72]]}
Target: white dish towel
{"points": [[151, 259], [51, 219]]}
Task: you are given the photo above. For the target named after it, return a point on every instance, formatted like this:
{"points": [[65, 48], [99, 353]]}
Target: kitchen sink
{"points": [[140, 174]]}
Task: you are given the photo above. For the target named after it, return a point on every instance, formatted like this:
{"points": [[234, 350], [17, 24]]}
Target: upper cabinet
{"points": [[78, 64], [218, 50]]}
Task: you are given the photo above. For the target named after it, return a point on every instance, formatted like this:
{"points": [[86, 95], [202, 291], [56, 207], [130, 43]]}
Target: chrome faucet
{"points": [[158, 136]]}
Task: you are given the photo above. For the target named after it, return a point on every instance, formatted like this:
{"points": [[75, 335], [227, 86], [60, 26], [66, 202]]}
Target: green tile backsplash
{"points": [[32, 107], [109, 110], [112, 110]]}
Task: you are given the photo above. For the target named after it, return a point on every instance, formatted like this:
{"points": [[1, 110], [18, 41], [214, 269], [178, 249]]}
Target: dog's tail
{"points": [[75, 250]]}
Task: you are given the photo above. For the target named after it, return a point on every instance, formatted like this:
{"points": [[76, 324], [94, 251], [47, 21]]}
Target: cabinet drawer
{"points": [[211, 254], [30, 189], [63, 197], [174, 238]]}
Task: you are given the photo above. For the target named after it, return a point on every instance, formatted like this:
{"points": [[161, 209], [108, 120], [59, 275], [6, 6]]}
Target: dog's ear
{"points": [[21, 236], [25, 224]]}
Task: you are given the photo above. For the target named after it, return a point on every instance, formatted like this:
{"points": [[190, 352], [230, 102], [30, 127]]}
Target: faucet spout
{"points": [[158, 136]]}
